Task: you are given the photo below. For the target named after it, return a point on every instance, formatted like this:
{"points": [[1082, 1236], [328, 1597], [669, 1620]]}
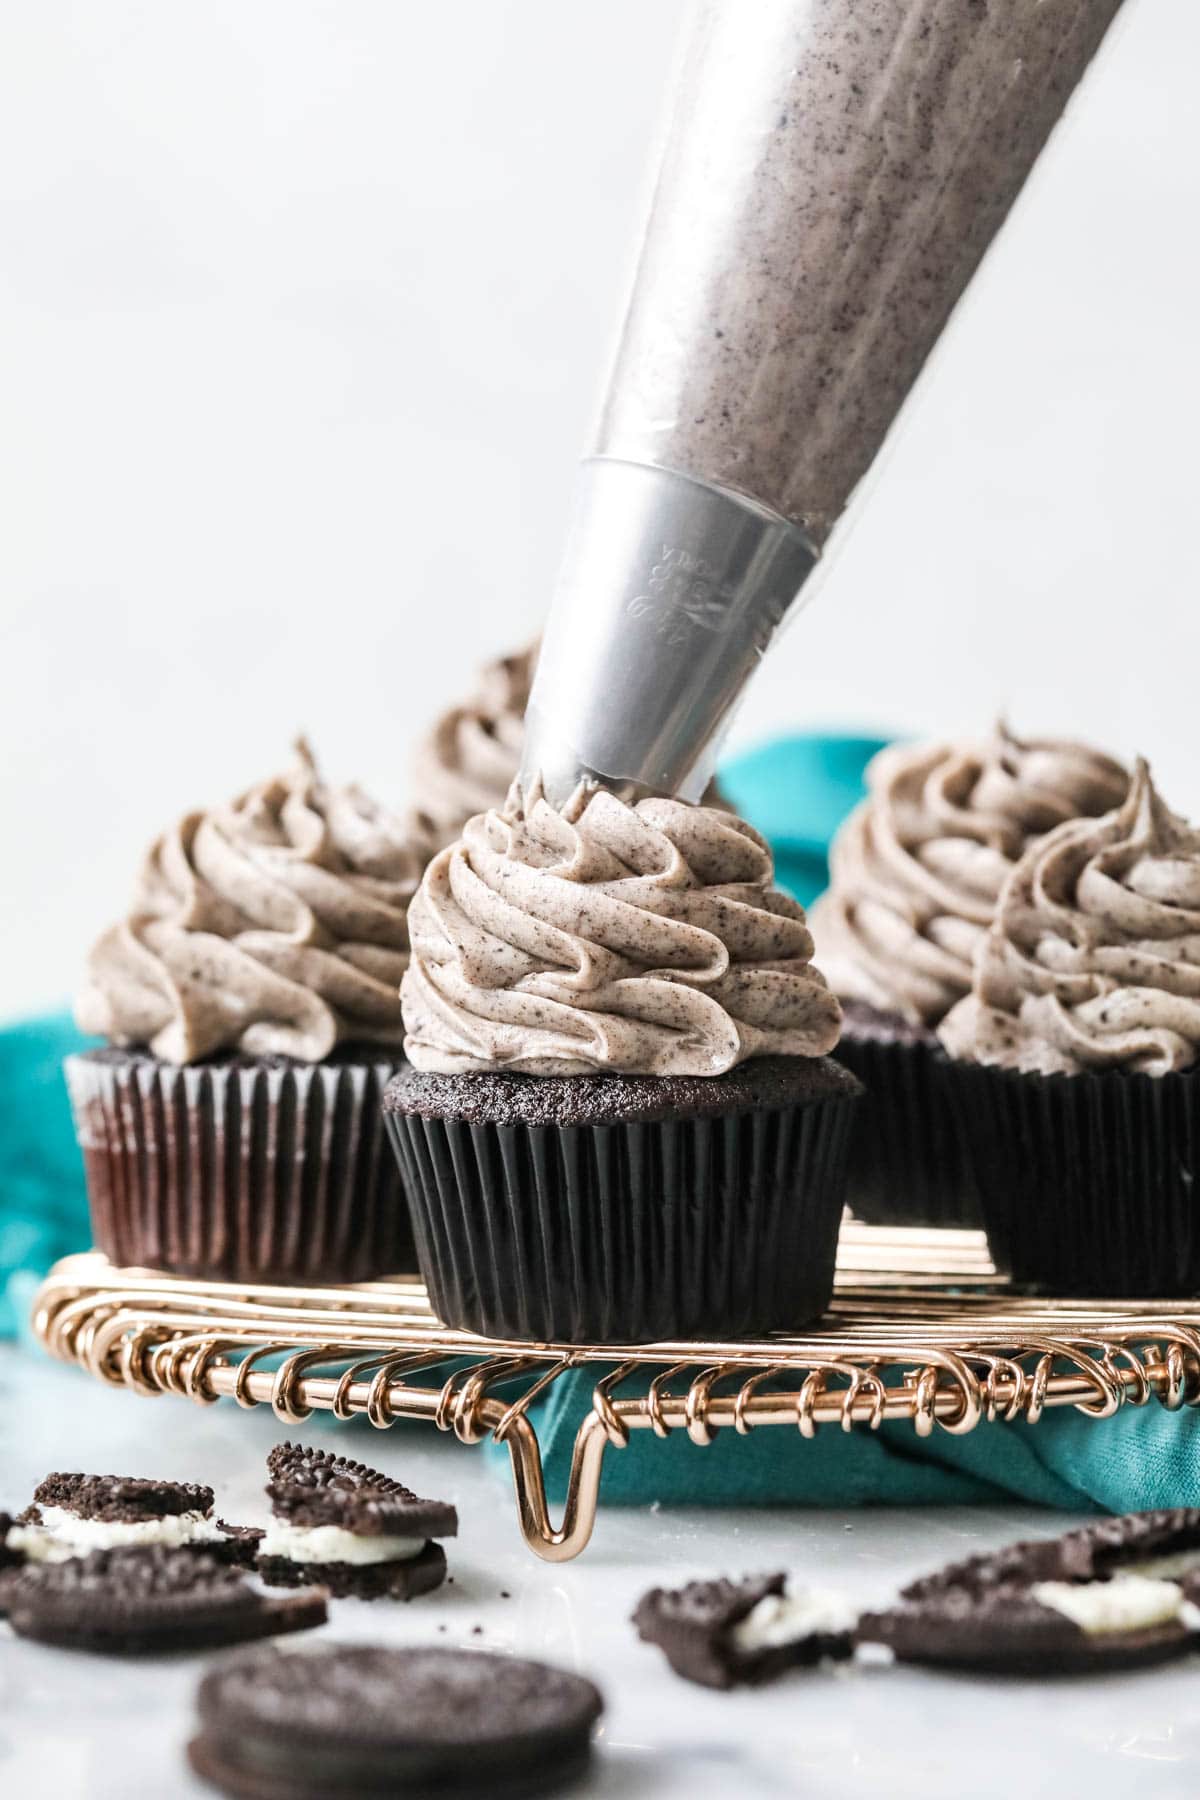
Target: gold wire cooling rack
{"points": [[920, 1329]]}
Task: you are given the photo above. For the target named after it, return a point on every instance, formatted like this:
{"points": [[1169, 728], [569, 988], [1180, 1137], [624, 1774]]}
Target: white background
{"points": [[303, 312]]}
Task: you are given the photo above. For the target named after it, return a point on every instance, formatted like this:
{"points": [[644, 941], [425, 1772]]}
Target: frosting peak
{"points": [[610, 938], [1093, 961], [918, 867], [276, 924], [469, 760]]}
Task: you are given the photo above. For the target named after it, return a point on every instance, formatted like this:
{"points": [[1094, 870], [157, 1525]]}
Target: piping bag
{"points": [[833, 172]]}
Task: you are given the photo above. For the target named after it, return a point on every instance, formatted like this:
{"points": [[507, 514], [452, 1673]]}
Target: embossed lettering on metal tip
{"points": [[670, 591]]}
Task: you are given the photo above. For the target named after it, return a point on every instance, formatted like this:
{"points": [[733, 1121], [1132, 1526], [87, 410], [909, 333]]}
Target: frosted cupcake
{"points": [[916, 872], [620, 1121], [1073, 1060], [250, 999]]}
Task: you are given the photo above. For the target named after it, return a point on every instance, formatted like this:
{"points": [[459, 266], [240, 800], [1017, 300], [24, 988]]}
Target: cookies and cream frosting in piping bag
{"points": [[609, 938], [917, 868], [274, 925], [831, 175], [1093, 961]]}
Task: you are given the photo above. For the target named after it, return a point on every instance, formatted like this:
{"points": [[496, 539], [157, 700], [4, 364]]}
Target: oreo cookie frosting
{"points": [[1093, 960], [74, 1514], [609, 939], [351, 1529], [275, 925], [917, 868]]}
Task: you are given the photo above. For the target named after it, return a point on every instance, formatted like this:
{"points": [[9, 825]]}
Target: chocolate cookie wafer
{"points": [[351, 1529], [149, 1598], [726, 1634], [1121, 1593], [73, 1514], [360, 1721]]}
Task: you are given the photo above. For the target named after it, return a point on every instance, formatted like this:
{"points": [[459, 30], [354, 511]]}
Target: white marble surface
{"points": [[83, 1728]]}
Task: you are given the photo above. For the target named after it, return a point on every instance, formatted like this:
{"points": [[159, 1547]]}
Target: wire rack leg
{"points": [[561, 1543]]}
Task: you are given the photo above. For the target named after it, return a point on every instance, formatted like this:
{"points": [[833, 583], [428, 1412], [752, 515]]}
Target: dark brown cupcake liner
{"points": [[239, 1171], [715, 1227], [907, 1165], [1087, 1182]]}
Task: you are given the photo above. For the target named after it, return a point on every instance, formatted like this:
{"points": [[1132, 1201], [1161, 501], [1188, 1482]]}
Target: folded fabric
{"points": [[1142, 1457], [797, 790], [43, 1205]]}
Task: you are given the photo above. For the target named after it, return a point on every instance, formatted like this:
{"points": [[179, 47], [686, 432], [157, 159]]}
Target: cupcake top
{"points": [[1094, 958], [917, 868], [609, 938], [275, 925], [469, 760]]}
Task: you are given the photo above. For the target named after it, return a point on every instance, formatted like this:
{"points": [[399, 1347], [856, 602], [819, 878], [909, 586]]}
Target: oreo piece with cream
{"points": [[74, 1514], [1121, 1593], [726, 1634], [349, 1528]]}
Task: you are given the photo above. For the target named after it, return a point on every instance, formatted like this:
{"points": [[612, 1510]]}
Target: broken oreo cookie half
{"points": [[351, 1529], [1122, 1593], [726, 1634], [75, 1514], [149, 1599]]}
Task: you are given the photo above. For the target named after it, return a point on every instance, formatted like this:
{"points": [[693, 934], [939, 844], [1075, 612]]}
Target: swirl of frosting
{"points": [[917, 868], [276, 925], [469, 760], [610, 938], [1093, 961]]}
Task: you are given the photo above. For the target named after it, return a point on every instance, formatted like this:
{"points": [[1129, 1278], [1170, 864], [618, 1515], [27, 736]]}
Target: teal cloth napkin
{"points": [[1143, 1457], [43, 1206], [796, 790]]}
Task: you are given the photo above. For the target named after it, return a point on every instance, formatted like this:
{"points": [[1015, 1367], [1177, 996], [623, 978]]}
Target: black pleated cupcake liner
{"points": [[712, 1227], [235, 1172], [1087, 1182], [907, 1162]]}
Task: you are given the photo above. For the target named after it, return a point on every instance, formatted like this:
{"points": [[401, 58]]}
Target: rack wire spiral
{"points": [[920, 1329]]}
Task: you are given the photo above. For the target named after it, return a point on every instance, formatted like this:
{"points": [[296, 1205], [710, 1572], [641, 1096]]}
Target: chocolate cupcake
{"points": [[619, 1122], [231, 1129], [916, 873], [1072, 1065]]}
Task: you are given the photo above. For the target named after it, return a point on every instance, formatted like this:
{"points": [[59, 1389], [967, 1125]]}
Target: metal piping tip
{"points": [[670, 592]]}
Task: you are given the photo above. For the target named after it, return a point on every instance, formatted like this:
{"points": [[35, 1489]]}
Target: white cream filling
{"points": [[334, 1544], [63, 1534], [786, 1618], [1126, 1603], [1165, 1568]]}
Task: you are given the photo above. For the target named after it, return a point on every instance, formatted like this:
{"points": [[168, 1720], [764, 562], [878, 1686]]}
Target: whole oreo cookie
{"points": [[726, 1634], [355, 1531], [1121, 1593], [367, 1723], [149, 1599]]}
